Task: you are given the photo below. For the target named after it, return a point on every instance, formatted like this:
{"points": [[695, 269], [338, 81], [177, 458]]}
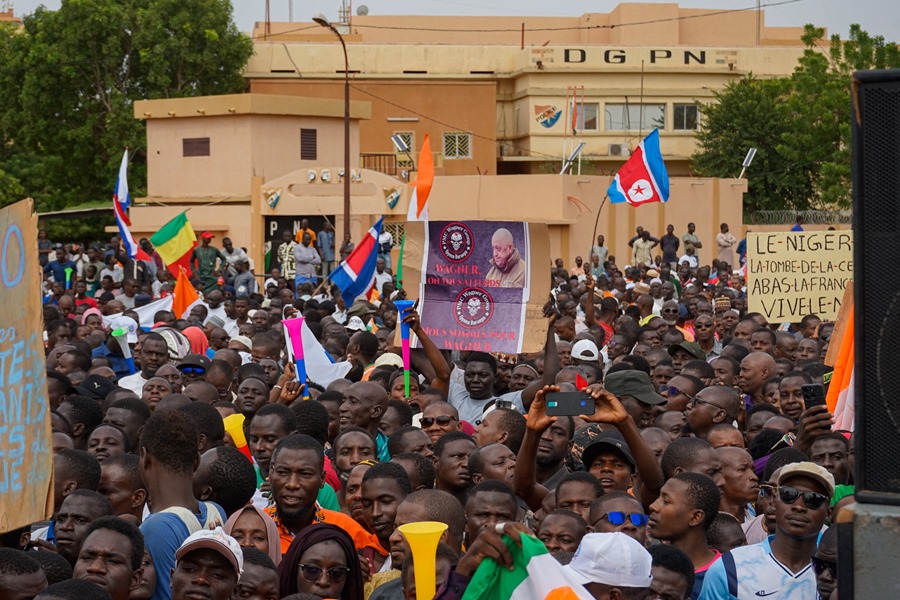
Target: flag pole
{"points": [[596, 223]]}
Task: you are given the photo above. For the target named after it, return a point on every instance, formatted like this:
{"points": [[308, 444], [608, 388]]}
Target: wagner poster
{"points": [[476, 284], [794, 274], [26, 462]]}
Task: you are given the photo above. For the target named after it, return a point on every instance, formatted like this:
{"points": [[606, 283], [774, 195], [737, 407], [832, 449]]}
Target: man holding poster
{"points": [[507, 267]]}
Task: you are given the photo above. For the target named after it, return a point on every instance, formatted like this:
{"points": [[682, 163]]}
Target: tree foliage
{"points": [[800, 125], [71, 76]]}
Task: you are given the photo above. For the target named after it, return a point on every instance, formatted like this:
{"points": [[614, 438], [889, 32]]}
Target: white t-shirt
{"points": [[471, 410], [135, 383]]}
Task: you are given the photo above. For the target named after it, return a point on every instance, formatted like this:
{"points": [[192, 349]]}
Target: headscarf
{"points": [[306, 539], [89, 312], [197, 338], [272, 538]]}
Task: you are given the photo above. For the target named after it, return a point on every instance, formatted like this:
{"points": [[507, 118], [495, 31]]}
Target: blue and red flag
{"points": [[121, 202], [356, 275], [643, 177]]}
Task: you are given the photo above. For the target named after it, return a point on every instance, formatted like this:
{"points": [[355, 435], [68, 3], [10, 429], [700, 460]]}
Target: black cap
{"points": [[94, 386], [607, 440], [194, 360]]}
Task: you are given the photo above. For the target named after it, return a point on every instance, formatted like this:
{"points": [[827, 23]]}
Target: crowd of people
{"points": [[694, 471]]}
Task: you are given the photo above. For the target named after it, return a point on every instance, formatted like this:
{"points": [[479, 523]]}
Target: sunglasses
{"points": [[193, 370], [618, 518], [812, 500], [698, 400], [821, 565], [442, 420], [312, 573], [787, 439], [767, 491], [673, 391]]}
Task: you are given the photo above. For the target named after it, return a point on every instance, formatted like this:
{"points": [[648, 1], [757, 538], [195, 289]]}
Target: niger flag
{"points": [[175, 242], [185, 295], [418, 203]]}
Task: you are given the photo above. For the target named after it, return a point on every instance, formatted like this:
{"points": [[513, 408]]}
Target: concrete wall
{"points": [[466, 106], [241, 146]]}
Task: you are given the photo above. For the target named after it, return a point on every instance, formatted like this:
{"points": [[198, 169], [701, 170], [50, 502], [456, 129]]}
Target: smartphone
{"points": [[569, 404], [813, 394]]}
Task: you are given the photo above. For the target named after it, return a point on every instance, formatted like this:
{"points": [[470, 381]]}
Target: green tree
{"points": [[749, 113], [74, 74], [10, 189], [800, 124]]}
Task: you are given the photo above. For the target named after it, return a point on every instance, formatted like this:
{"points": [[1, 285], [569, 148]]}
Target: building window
{"points": [[457, 144], [687, 117], [635, 117], [404, 159], [587, 117], [195, 147], [308, 144]]}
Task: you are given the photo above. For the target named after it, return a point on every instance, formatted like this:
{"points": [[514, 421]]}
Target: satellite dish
{"points": [[362, 10]]}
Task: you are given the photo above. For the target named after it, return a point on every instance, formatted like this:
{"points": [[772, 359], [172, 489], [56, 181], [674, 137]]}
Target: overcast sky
{"points": [[880, 17]]}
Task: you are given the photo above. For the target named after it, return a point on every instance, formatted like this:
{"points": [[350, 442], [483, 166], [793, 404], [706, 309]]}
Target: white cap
{"points": [[244, 341], [612, 559], [585, 350], [355, 324], [218, 541], [390, 359], [128, 323]]}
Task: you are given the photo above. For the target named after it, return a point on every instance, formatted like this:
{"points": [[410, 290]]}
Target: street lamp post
{"points": [[320, 19]]}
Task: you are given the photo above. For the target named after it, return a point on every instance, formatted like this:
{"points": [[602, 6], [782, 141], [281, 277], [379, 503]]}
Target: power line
{"points": [[545, 29]]}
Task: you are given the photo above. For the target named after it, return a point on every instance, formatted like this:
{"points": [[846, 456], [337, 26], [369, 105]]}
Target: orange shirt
{"points": [[361, 538]]}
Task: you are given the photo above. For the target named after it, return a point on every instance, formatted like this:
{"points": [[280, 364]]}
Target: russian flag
{"points": [[121, 202], [643, 177], [356, 275]]}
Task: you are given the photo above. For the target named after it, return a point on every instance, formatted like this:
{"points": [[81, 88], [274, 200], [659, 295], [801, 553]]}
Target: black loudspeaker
{"points": [[876, 229]]}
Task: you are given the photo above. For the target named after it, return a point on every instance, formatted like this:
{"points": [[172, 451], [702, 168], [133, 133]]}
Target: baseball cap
{"points": [[585, 350], [207, 235], [613, 559], [633, 383], [359, 309], [808, 469], [244, 341], [218, 541], [94, 386], [692, 348], [356, 324], [194, 360], [390, 359], [128, 323], [607, 440]]}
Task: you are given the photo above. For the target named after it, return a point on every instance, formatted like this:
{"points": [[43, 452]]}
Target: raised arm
{"points": [[608, 409], [551, 359], [441, 379], [590, 319], [525, 483]]}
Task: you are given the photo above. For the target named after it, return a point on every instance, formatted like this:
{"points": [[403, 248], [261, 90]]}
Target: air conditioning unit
{"points": [[619, 150]]}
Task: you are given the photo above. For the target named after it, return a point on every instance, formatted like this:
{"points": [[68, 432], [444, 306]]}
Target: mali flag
{"points": [[175, 242]]}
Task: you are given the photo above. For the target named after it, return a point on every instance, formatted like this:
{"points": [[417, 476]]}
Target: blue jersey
{"points": [[757, 574]]}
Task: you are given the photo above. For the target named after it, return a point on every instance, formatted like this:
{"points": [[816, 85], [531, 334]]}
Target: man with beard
{"points": [[296, 473], [507, 267]]}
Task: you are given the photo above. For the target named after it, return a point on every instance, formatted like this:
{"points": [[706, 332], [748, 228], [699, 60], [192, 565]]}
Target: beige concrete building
{"points": [[251, 166], [498, 98], [509, 95]]}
